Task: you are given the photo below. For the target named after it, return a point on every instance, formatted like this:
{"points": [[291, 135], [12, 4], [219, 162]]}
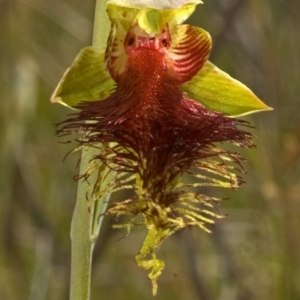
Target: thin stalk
{"points": [[86, 223]]}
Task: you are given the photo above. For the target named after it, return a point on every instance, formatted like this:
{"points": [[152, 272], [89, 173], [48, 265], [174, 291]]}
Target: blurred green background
{"points": [[255, 251]]}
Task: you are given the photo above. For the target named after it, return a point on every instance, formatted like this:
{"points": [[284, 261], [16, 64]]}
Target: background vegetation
{"points": [[254, 253]]}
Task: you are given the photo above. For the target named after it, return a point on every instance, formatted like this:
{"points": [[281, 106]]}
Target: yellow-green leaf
{"points": [[85, 80], [218, 91]]}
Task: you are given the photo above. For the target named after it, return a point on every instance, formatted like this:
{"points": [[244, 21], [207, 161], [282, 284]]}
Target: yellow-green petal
{"points": [[218, 91], [156, 4], [121, 17], [150, 21], [85, 80], [178, 15]]}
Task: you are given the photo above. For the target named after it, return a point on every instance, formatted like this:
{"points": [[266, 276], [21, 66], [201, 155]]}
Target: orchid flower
{"points": [[157, 109]]}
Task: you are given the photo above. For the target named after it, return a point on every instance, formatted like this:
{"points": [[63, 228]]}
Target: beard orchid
{"points": [[156, 109]]}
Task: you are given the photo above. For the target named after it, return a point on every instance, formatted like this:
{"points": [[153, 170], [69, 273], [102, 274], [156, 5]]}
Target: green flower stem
{"points": [[86, 223]]}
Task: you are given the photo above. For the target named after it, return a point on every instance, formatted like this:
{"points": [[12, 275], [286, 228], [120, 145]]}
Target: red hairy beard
{"points": [[159, 132]]}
